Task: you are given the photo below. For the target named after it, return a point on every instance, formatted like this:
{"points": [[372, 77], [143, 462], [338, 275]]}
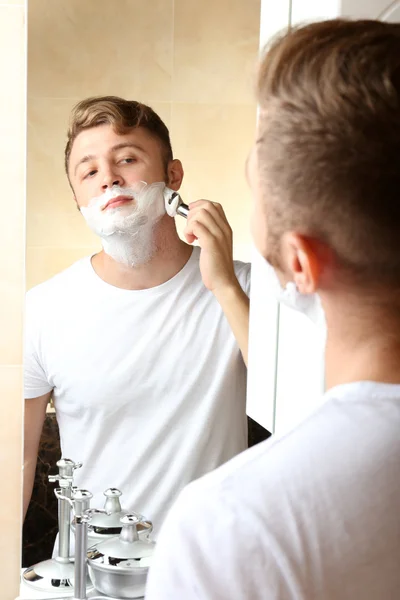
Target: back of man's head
{"points": [[329, 142]]}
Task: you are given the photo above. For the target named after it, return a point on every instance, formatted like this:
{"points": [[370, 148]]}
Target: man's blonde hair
{"points": [[123, 115], [329, 147]]}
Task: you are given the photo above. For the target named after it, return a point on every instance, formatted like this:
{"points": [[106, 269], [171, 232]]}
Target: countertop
{"points": [[27, 592]]}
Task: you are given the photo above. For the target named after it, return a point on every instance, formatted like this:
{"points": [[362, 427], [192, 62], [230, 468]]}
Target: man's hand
{"points": [[207, 223]]}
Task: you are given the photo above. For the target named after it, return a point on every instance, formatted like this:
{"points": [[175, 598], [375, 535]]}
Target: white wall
{"points": [[264, 310], [12, 287]]}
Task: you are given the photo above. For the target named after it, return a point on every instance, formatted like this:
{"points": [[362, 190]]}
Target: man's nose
{"points": [[110, 179]]}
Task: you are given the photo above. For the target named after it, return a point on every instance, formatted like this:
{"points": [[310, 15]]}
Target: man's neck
{"points": [[363, 344], [170, 257]]}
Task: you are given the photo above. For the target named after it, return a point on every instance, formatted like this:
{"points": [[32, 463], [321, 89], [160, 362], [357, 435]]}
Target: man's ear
{"points": [[175, 174], [302, 261]]}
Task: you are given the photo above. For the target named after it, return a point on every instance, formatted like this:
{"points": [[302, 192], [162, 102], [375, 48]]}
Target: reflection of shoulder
{"points": [[60, 285]]}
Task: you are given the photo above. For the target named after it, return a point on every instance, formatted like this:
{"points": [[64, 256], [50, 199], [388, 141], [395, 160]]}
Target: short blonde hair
{"points": [[123, 115]]}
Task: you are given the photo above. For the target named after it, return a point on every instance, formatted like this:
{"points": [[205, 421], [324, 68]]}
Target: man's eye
{"points": [[90, 174], [128, 160]]}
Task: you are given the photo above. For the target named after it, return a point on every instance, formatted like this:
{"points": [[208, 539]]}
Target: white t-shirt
{"points": [[313, 515], [149, 385]]}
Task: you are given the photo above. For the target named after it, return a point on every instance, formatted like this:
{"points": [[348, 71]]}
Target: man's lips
{"points": [[117, 201]]}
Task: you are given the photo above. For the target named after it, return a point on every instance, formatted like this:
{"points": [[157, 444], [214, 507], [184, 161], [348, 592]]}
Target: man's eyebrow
{"points": [[121, 146], [85, 159]]}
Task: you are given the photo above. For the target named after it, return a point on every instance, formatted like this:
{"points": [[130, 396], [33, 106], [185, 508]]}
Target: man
{"points": [[315, 513], [141, 344]]}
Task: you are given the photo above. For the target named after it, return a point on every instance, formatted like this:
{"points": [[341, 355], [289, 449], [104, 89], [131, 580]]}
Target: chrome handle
{"points": [[132, 519], [129, 532], [112, 493], [112, 503], [66, 468], [183, 210], [60, 496]]}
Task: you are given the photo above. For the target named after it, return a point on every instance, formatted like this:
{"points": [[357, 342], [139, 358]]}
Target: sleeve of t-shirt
{"points": [[207, 549], [243, 273], [35, 380]]}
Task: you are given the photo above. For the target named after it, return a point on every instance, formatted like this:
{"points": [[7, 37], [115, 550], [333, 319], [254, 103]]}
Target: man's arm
{"points": [[208, 224], [235, 305], [35, 412]]}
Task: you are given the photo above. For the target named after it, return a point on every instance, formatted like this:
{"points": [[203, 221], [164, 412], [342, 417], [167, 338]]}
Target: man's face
{"points": [[101, 158]]}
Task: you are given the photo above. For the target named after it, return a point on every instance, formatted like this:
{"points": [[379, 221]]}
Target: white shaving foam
{"points": [[126, 231]]}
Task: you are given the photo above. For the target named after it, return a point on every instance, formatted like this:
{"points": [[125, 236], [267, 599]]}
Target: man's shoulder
{"points": [[227, 481], [58, 285], [286, 498], [316, 454]]}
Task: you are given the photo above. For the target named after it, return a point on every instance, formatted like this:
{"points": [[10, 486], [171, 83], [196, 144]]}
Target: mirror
{"points": [[193, 63]]}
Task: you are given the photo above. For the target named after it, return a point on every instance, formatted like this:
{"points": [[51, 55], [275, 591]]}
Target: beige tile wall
{"points": [[12, 283], [191, 60]]}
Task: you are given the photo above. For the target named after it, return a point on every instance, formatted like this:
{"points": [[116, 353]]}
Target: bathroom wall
{"points": [[12, 284], [192, 61]]}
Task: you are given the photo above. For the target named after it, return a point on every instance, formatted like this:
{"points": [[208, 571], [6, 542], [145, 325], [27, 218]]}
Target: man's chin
{"points": [[117, 233], [119, 228]]}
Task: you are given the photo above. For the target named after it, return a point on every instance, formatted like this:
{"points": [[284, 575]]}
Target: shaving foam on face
{"points": [[126, 231], [172, 200]]}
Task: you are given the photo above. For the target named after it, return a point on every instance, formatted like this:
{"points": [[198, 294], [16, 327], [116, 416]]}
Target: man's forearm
{"points": [[29, 478], [236, 306], [35, 413]]}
